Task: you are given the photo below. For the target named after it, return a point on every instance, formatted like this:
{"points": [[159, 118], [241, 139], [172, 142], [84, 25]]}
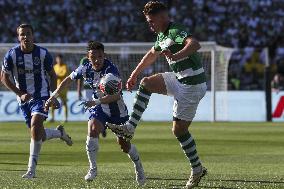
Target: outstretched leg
{"points": [[148, 85], [132, 152]]}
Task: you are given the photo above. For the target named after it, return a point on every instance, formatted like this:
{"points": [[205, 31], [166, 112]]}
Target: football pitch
{"points": [[237, 156]]}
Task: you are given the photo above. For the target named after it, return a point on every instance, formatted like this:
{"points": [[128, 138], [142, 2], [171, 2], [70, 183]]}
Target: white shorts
{"points": [[186, 97]]}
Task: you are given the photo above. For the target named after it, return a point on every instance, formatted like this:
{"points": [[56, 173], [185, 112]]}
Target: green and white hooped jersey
{"points": [[188, 70]]}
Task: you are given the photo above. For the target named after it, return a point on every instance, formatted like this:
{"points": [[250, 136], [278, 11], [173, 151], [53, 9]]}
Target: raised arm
{"points": [[149, 58]]}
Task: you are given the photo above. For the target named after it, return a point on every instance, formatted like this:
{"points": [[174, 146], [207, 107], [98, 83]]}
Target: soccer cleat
{"points": [[195, 178], [91, 175], [29, 175], [64, 136], [126, 130], [140, 176]]}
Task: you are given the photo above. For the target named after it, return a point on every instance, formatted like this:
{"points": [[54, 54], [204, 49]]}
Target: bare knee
{"points": [[124, 145], [145, 82], [36, 132], [180, 127]]}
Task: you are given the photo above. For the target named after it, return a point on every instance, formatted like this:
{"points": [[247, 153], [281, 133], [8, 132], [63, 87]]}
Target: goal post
{"points": [[126, 56]]}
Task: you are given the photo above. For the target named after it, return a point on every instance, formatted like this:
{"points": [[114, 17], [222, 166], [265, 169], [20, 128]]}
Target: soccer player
{"points": [[87, 92], [186, 83], [61, 70], [104, 108], [28, 64]]}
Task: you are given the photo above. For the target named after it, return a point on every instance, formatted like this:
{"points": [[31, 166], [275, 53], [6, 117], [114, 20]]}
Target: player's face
{"points": [[25, 36], [97, 58], [155, 22], [58, 60]]}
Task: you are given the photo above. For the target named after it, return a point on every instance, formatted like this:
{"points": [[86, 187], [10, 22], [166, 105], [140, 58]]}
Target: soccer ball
{"points": [[110, 84]]}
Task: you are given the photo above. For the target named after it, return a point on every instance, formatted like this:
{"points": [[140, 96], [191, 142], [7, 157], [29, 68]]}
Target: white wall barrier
{"points": [[231, 106]]}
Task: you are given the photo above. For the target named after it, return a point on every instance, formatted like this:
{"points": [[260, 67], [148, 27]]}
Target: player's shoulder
{"points": [[110, 67], [13, 50], [41, 48], [175, 27], [84, 61], [110, 64]]}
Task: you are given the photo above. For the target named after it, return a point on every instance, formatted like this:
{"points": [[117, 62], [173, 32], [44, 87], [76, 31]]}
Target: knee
{"points": [[124, 145], [36, 132], [145, 82], [179, 130]]}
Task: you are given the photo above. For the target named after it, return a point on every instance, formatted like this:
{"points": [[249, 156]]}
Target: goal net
{"points": [[126, 56]]}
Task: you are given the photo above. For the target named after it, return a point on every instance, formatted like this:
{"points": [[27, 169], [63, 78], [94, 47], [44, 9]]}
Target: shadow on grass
{"points": [[17, 163], [199, 186], [247, 181]]}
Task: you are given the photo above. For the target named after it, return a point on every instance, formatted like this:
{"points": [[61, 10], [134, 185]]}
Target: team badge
{"points": [[183, 34], [36, 61]]}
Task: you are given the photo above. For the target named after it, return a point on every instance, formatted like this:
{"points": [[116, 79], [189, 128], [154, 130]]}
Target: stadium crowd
{"points": [[246, 25]]}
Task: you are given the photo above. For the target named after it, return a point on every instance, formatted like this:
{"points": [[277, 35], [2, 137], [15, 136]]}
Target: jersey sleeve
{"points": [[48, 62], [112, 69], [79, 72], [179, 34], [7, 65]]}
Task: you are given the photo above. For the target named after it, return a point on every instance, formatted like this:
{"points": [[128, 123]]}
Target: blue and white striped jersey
{"points": [[92, 78], [29, 70]]}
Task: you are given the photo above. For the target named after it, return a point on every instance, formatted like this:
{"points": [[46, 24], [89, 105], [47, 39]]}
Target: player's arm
{"points": [[149, 58], [5, 79], [103, 100], [79, 88], [53, 78], [64, 84], [191, 45]]}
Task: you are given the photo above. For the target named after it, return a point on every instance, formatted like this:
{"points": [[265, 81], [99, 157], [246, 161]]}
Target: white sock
{"points": [[133, 155], [92, 147], [34, 153], [52, 133]]}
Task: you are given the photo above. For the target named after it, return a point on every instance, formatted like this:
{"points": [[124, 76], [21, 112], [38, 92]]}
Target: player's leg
{"points": [[63, 98], [185, 106], [37, 134], [148, 85], [37, 107], [52, 115], [92, 147], [133, 154]]}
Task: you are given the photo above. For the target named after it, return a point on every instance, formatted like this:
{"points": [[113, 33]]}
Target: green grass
{"points": [[237, 155]]}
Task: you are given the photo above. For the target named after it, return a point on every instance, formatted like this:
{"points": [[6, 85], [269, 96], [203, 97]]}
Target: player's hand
{"points": [[131, 82], [87, 104], [25, 97], [51, 102], [167, 53]]}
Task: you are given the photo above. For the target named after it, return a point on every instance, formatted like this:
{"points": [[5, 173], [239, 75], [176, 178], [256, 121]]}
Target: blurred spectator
{"points": [[277, 83], [61, 70], [233, 23]]}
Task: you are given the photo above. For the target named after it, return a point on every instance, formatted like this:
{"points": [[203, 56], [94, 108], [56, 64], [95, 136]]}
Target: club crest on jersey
{"points": [[36, 61], [183, 34]]}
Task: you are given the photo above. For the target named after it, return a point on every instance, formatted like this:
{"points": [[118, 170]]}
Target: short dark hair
{"points": [[95, 45], [59, 55], [154, 7], [25, 26]]}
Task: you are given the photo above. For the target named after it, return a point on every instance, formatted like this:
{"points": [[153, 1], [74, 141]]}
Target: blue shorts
{"points": [[32, 107], [98, 114]]}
